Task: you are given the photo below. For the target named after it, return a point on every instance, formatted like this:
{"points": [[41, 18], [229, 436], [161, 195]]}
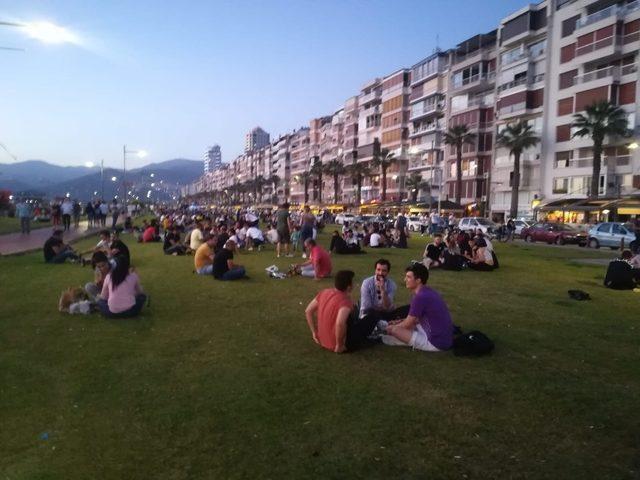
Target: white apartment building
{"points": [[255, 139], [212, 159]]}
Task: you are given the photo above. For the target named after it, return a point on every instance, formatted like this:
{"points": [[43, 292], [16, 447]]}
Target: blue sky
{"points": [[175, 77]]}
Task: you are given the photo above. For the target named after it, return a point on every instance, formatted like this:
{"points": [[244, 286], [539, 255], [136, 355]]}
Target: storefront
{"points": [[589, 211]]}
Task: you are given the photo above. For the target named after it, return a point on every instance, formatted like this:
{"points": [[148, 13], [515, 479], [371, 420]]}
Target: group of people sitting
{"points": [[340, 326], [623, 273], [460, 250]]}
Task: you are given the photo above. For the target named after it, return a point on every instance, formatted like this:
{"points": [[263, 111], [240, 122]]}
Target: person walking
{"points": [[24, 213], [67, 210]]}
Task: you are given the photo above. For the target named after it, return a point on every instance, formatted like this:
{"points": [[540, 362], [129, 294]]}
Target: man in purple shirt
{"points": [[428, 326]]}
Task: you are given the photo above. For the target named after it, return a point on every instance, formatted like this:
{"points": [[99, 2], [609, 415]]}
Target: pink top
{"points": [[124, 296], [321, 261]]}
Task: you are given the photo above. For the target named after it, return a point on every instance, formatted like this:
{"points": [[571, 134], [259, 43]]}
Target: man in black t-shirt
{"points": [[172, 245], [621, 275], [55, 250], [118, 247], [223, 266], [432, 257]]}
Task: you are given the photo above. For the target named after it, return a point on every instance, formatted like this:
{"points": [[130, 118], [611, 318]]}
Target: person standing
{"points": [[55, 214], [23, 212], [67, 211], [283, 226], [88, 209], [307, 223], [104, 210], [77, 211], [115, 213]]}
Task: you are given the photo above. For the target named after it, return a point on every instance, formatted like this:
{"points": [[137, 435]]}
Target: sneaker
{"points": [[304, 255], [278, 255], [250, 249]]}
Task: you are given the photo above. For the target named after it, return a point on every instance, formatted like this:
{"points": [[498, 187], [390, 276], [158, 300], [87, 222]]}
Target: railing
{"points": [[427, 128], [627, 69], [473, 78], [592, 47], [513, 84], [459, 58], [587, 162], [607, 12], [426, 109], [596, 75], [513, 108]]}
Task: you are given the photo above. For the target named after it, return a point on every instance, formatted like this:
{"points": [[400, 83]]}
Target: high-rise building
{"points": [[369, 134], [256, 139], [212, 159]]}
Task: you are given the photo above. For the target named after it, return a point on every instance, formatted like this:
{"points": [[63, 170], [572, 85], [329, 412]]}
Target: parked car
{"points": [[557, 233], [414, 224], [520, 225], [345, 217], [611, 234], [474, 223]]}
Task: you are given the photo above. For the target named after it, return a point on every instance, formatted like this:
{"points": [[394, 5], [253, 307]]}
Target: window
{"points": [[604, 228], [617, 229], [563, 133], [537, 49], [560, 185], [566, 79]]}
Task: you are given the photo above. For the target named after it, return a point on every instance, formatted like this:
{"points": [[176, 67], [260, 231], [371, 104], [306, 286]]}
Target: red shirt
{"points": [[330, 301], [149, 234], [321, 261]]}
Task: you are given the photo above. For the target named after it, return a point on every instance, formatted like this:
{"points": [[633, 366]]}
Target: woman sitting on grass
{"points": [[482, 258], [122, 294]]}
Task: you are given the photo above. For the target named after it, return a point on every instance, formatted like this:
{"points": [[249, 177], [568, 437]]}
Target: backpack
{"points": [[473, 343]]}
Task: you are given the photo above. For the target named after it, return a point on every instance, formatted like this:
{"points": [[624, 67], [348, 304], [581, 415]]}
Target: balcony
{"points": [[425, 110], [528, 81], [618, 11], [369, 97], [512, 110], [426, 128], [477, 102], [477, 80]]}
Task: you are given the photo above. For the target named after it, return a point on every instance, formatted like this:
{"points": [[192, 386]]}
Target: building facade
{"points": [[212, 159], [256, 139]]}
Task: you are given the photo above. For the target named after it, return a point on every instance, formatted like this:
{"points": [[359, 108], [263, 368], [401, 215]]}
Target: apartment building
{"points": [[349, 153], [427, 121], [472, 68], [255, 139], [520, 92], [369, 133], [212, 159], [300, 164], [595, 57], [396, 89]]}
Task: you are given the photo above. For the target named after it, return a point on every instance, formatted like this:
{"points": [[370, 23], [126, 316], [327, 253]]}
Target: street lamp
{"points": [[125, 152]]}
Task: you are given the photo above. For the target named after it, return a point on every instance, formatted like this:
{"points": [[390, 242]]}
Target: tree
{"points": [[275, 181], [358, 172], [516, 137], [335, 168], [601, 119], [259, 184], [316, 171], [383, 160], [414, 185], [305, 178], [457, 136]]}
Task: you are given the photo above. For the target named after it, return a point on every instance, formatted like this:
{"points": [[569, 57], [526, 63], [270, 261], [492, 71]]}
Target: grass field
{"points": [[12, 224], [222, 380]]}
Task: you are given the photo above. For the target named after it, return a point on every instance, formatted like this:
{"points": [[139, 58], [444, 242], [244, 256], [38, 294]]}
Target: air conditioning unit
{"points": [[483, 198]]}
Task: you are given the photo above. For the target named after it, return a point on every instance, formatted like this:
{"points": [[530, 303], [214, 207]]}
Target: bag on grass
{"points": [[474, 343], [579, 295]]}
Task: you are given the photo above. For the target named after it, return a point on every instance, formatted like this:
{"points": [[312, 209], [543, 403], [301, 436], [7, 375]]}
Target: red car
{"points": [[557, 233]]}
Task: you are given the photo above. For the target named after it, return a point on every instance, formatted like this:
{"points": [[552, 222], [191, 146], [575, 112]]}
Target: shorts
{"points": [[284, 236]]}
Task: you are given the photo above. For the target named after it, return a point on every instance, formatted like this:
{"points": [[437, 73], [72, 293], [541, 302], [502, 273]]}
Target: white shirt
{"points": [[255, 233], [196, 239], [272, 235], [104, 208], [374, 240], [67, 208]]}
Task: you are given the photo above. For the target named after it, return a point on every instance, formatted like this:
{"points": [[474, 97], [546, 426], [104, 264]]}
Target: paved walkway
{"points": [[12, 243]]}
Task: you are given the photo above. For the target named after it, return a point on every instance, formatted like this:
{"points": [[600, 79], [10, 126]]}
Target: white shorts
{"points": [[419, 341]]}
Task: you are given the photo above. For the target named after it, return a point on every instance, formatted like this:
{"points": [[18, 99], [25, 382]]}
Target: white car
{"points": [[414, 224], [520, 224], [341, 218], [478, 223]]}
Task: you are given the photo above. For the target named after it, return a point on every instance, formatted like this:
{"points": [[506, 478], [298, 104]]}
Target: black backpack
{"points": [[473, 343]]}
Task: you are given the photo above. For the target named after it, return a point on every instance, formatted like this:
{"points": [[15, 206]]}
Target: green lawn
{"points": [[222, 380], [12, 224]]}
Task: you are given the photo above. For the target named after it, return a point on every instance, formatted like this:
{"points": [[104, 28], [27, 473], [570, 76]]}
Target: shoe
{"points": [[304, 255], [278, 255], [259, 248], [250, 249], [289, 255]]}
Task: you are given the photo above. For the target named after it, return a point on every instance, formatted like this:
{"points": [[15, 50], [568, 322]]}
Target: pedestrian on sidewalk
{"points": [[77, 211], [67, 211], [24, 213]]}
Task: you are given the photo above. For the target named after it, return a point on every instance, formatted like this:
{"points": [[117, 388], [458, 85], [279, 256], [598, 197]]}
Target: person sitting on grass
{"points": [[375, 239], [481, 258], [122, 295], [341, 246], [223, 236], [223, 267], [203, 258], [272, 235], [255, 238], [377, 296], [56, 251], [329, 312], [172, 245], [101, 267], [428, 325], [433, 253], [117, 247], [196, 237], [150, 235], [620, 273], [319, 264]]}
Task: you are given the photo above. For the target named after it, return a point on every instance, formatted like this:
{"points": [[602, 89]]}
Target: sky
{"points": [[173, 78]]}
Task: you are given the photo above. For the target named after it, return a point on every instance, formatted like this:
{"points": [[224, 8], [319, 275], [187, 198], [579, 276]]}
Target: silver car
{"points": [[611, 234]]}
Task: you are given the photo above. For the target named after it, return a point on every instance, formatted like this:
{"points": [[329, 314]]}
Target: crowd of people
{"points": [[215, 238]]}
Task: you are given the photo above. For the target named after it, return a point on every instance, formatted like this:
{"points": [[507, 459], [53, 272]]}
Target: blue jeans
{"points": [[306, 232], [62, 256], [233, 274], [132, 312], [25, 224]]}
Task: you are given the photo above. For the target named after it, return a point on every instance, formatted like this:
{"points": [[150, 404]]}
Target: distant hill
{"points": [[82, 182]]}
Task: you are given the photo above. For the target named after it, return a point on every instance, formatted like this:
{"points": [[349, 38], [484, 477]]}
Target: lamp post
{"points": [[139, 154]]}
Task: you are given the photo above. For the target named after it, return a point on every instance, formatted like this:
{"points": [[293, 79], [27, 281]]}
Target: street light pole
{"points": [[124, 176]]}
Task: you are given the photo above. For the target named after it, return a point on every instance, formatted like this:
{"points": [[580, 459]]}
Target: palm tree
{"points": [[415, 184], [457, 136], [259, 184], [316, 171], [601, 119], [516, 137], [335, 168], [358, 172], [305, 178], [275, 181], [383, 161]]}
